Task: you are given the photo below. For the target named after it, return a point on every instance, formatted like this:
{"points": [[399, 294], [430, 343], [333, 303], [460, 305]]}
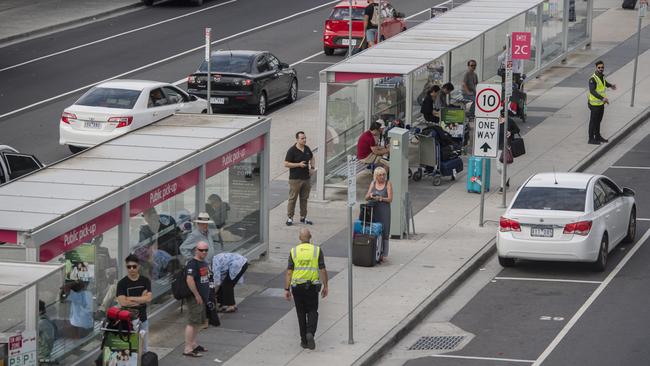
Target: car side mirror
{"points": [[284, 65], [193, 98], [627, 192]]}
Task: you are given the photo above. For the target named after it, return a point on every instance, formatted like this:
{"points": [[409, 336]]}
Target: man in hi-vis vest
{"points": [[306, 277], [597, 100]]}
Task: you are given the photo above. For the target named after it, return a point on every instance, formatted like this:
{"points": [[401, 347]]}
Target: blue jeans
{"points": [[371, 35]]}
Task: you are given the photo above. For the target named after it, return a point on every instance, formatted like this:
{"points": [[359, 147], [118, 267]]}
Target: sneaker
{"points": [[306, 222], [602, 139], [289, 221], [311, 344]]}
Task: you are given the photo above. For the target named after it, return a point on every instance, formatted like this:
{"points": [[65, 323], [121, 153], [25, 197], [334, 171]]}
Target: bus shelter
{"points": [[389, 81], [137, 193]]}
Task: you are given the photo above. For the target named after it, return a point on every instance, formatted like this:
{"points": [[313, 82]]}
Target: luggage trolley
{"points": [[121, 345]]}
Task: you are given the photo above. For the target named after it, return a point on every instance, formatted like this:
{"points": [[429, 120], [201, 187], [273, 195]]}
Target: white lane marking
{"points": [[630, 167], [546, 280], [590, 300], [640, 219], [484, 358], [308, 91], [319, 62], [115, 36], [168, 59]]}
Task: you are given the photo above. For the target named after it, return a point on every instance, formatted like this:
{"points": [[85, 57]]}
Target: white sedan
{"points": [[115, 107], [566, 217]]}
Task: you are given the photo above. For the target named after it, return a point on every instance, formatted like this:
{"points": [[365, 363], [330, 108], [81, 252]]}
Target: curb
{"points": [[583, 164], [451, 284], [431, 302], [42, 31]]}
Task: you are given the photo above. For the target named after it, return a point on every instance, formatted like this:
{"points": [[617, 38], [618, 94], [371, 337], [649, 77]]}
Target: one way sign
{"points": [[486, 132]]}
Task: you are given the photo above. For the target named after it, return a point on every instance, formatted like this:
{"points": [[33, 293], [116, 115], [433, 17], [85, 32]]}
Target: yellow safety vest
{"points": [[305, 264], [600, 89]]}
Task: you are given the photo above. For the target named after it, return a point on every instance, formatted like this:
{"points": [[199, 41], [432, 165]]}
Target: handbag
{"points": [[517, 146], [508, 153]]}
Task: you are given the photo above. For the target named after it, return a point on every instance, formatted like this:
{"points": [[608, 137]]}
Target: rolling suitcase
{"points": [[474, 174], [629, 4], [366, 244], [451, 167]]}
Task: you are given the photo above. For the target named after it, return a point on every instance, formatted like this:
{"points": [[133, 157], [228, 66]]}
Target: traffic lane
{"points": [[637, 180], [59, 74], [506, 318], [637, 156], [614, 329]]}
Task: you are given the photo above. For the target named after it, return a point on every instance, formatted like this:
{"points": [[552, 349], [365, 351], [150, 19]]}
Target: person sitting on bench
{"points": [[368, 152]]}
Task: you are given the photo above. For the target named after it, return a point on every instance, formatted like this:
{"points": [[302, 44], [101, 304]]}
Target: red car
{"points": [[336, 32]]}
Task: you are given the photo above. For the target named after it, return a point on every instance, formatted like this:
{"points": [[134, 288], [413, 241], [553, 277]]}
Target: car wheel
{"points": [[147, 2], [601, 262], [76, 149], [378, 249], [261, 104], [293, 92], [328, 51], [631, 227], [506, 262]]}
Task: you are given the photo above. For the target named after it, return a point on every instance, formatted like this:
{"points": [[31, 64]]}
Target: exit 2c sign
{"points": [[521, 45]]}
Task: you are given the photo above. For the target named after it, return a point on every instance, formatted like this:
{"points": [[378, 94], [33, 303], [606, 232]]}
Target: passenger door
{"points": [[615, 195], [283, 76], [158, 107], [606, 211], [20, 164], [180, 101], [265, 78]]}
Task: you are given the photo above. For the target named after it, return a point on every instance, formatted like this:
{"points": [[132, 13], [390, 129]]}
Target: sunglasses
{"points": [[203, 250], [601, 68], [132, 266]]}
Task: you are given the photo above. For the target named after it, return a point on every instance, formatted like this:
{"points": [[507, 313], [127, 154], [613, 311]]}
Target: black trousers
{"points": [[226, 293], [306, 300], [595, 118]]}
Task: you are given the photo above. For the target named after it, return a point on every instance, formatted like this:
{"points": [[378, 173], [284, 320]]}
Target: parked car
{"points": [[336, 31], [566, 217], [116, 107], [250, 80], [14, 164]]}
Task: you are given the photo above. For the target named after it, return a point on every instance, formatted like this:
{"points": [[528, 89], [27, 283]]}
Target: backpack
{"points": [[180, 289], [375, 16]]}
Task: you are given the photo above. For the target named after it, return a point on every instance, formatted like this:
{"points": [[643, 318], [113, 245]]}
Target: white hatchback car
{"points": [[566, 217], [115, 107]]}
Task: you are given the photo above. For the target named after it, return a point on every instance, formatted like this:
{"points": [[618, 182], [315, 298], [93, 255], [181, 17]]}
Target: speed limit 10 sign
{"points": [[488, 100]]}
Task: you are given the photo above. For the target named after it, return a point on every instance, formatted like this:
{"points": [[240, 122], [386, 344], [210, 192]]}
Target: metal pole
{"points": [[642, 10], [350, 321], [208, 36], [379, 25], [350, 32], [506, 100], [480, 219]]}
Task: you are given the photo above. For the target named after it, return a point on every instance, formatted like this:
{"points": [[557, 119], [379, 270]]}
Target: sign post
{"points": [[486, 131], [352, 200], [208, 37], [643, 9], [506, 100], [350, 30]]}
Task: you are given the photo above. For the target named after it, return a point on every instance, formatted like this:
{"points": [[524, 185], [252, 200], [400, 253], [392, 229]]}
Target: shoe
{"points": [[199, 349], [192, 354], [602, 139], [306, 222], [508, 183], [303, 344], [289, 221], [311, 344], [593, 142], [500, 191]]}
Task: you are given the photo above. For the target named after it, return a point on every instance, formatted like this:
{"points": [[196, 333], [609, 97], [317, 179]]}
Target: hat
{"points": [[203, 218]]}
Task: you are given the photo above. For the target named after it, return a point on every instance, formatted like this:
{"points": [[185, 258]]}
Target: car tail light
{"points": [[578, 228], [121, 121], [508, 225], [66, 117]]}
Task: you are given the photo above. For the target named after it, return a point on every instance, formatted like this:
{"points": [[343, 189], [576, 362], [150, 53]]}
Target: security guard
{"points": [[597, 100], [306, 276]]}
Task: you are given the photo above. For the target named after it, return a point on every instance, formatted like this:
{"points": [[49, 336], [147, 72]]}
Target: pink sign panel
{"points": [[234, 156], [79, 235], [164, 192], [521, 45], [9, 236]]}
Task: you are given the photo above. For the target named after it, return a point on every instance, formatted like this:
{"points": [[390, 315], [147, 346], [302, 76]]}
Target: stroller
{"points": [[439, 155]]}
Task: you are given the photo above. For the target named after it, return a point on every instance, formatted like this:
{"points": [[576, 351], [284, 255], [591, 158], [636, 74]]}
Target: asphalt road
{"points": [[43, 76], [541, 313]]}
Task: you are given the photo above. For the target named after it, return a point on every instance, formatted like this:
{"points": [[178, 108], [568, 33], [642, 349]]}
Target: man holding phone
{"points": [[302, 165]]}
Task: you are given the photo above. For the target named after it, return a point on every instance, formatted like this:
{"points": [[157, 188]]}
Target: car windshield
{"points": [[344, 14], [225, 62], [548, 198], [110, 98]]}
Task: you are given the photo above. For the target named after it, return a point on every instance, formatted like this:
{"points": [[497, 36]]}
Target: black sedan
{"points": [[250, 80]]}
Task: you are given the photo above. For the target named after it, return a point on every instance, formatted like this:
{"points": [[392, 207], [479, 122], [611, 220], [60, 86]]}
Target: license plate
{"points": [[214, 100], [92, 124], [346, 41], [541, 231]]}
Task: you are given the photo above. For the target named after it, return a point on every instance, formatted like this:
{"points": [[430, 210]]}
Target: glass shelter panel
{"points": [[530, 21], [553, 10], [577, 21], [459, 58], [423, 79]]}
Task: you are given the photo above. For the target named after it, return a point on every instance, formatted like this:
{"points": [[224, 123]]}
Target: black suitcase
{"points": [[149, 359], [629, 4], [364, 246]]}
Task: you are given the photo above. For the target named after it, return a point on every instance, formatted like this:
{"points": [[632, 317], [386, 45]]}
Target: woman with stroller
{"points": [[381, 191], [503, 154]]}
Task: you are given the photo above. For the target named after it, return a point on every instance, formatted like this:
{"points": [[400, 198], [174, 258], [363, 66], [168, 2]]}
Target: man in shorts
{"points": [[370, 29], [198, 280], [368, 152]]}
